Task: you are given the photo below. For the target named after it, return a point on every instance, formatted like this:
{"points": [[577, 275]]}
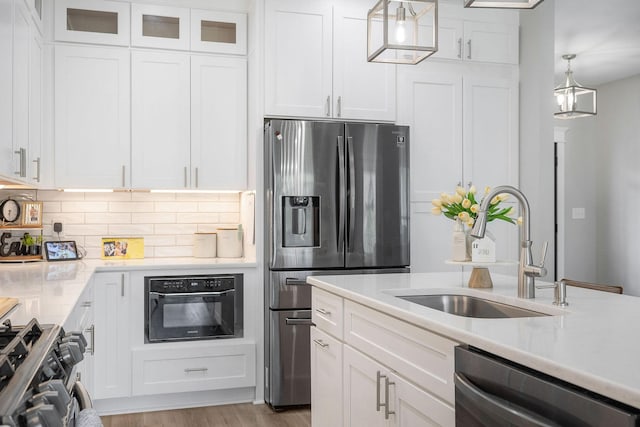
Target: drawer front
{"points": [[193, 368], [425, 358], [327, 311]]}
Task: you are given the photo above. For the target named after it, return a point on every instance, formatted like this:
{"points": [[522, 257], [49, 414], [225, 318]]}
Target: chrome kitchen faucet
{"points": [[527, 271]]}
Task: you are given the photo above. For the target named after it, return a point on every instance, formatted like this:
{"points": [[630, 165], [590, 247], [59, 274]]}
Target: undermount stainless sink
{"points": [[468, 306]]}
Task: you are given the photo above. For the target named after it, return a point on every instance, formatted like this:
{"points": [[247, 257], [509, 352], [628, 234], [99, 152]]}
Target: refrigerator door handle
{"points": [[341, 194], [352, 192]]}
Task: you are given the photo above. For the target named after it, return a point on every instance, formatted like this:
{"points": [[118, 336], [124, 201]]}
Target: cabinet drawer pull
{"points": [[321, 344], [378, 402], [186, 177], [122, 285], [196, 177], [86, 304], [323, 311], [188, 370], [387, 412]]}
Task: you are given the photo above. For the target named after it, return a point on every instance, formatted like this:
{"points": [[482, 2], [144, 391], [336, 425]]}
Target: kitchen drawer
{"points": [[427, 359], [326, 312], [193, 367]]}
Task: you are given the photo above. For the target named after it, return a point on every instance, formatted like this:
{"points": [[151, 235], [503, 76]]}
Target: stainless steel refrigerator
{"points": [[337, 202]]}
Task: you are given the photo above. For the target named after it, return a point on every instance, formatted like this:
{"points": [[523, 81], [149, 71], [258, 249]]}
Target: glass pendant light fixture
{"points": [[402, 32], [503, 4], [574, 100]]}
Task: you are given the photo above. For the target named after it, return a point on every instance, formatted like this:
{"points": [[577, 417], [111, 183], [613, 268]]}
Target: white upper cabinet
{"points": [[160, 120], [6, 87], [92, 117], [92, 21], [34, 163], [298, 74], [218, 123], [361, 90], [21, 77], [218, 32], [160, 26], [316, 65], [478, 35]]}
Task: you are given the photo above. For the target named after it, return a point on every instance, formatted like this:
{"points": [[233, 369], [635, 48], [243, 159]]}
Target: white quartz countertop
{"points": [[593, 343], [48, 291]]}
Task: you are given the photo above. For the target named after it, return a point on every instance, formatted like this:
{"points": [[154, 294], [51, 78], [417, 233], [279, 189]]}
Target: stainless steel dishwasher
{"points": [[491, 391]]}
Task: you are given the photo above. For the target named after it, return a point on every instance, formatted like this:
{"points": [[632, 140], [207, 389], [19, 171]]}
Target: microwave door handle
{"points": [[508, 411], [190, 294], [352, 193], [342, 194]]}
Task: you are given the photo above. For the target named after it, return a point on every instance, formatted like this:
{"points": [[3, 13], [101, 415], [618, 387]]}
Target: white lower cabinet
{"points": [[193, 367], [392, 373], [375, 396], [112, 354], [81, 320], [326, 379]]}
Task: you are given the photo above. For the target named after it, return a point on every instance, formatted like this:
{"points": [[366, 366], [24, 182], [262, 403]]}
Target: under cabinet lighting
{"points": [[502, 4], [402, 32], [197, 191], [88, 190]]}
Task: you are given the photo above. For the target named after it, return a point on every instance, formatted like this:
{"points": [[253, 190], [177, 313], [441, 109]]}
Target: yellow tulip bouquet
{"points": [[462, 205]]}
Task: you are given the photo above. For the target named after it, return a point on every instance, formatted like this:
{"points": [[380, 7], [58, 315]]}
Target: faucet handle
{"points": [[544, 253]]}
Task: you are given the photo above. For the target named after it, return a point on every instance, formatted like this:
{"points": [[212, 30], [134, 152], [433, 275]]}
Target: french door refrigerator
{"points": [[337, 202]]}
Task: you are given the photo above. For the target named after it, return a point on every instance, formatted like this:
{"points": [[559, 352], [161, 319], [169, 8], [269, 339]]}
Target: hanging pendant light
{"points": [[402, 32], [572, 99], [503, 4]]}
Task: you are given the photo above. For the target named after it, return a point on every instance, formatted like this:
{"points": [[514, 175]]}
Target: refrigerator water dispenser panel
{"points": [[301, 221]]}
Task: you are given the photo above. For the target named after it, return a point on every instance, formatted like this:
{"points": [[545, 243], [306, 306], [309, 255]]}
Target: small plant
{"points": [[27, 240], [462, 205]]}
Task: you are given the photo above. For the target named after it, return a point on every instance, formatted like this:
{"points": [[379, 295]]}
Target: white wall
{"points": [[602, 160], [536, 124]]}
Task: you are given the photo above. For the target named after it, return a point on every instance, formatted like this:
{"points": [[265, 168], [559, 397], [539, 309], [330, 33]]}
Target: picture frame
{"points": [[122, 248], [32, 214]]}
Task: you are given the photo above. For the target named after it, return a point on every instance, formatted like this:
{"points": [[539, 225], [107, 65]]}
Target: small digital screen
{"points": [[61, 251]]}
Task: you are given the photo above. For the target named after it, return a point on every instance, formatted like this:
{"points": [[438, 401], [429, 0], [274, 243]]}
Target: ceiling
{"points": [[605, 36]]}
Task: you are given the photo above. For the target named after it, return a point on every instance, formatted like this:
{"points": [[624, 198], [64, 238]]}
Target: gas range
{"points": [[37, 384]]}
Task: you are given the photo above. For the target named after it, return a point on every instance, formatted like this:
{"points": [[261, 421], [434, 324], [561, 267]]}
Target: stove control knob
{"points": [[76, 337], [51, 366], [71, 353], [43, 415]]}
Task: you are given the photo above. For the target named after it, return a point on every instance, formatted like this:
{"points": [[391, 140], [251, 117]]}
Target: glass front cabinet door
{"points": [[220, 32], [92, 21], [159, 26]]}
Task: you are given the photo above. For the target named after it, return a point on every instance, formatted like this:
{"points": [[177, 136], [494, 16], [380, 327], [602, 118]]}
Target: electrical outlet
{"points": [[57, 229]]}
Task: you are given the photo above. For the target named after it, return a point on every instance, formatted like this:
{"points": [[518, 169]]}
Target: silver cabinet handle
{"points": [[124, 183], [378, 402], [323, 311], [92, 331], [387, 412], [328, 106], [186, 177], [23, 162], [187, 370], [37, 177], [321, 344], [196, 177], [122, 285], [339, 106], [460, 48], [469, 50], [86, 304]]}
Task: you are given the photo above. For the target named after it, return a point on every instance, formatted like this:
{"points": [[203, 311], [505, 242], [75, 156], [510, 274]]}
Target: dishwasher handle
{"points": [[507, 411]]}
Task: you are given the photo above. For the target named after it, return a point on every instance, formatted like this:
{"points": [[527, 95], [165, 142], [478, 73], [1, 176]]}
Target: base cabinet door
{"points": [[112, 352], [363, 386], [326, 379], [414, 407]]}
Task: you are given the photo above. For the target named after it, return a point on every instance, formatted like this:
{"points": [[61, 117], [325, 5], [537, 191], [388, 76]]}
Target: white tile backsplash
{"points": [[167, 221]]}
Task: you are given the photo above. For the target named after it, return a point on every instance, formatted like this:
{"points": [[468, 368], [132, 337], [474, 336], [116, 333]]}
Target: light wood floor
{"points": [[240, 415]]}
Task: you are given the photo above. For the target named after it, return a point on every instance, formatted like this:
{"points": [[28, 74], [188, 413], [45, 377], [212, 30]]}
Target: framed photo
{"points": [[122, 247], [32, 214], [61, 250]]}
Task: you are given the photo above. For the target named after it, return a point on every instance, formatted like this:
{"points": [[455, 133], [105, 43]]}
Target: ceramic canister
{"points": [[204, 245], [230, 242]]}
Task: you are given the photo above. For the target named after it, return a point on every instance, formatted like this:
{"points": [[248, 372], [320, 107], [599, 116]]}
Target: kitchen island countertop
{"points": [[48, 291], [592, 343]]}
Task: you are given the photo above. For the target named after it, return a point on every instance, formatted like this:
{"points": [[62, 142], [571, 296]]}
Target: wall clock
{"points": [[9, 210]]}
